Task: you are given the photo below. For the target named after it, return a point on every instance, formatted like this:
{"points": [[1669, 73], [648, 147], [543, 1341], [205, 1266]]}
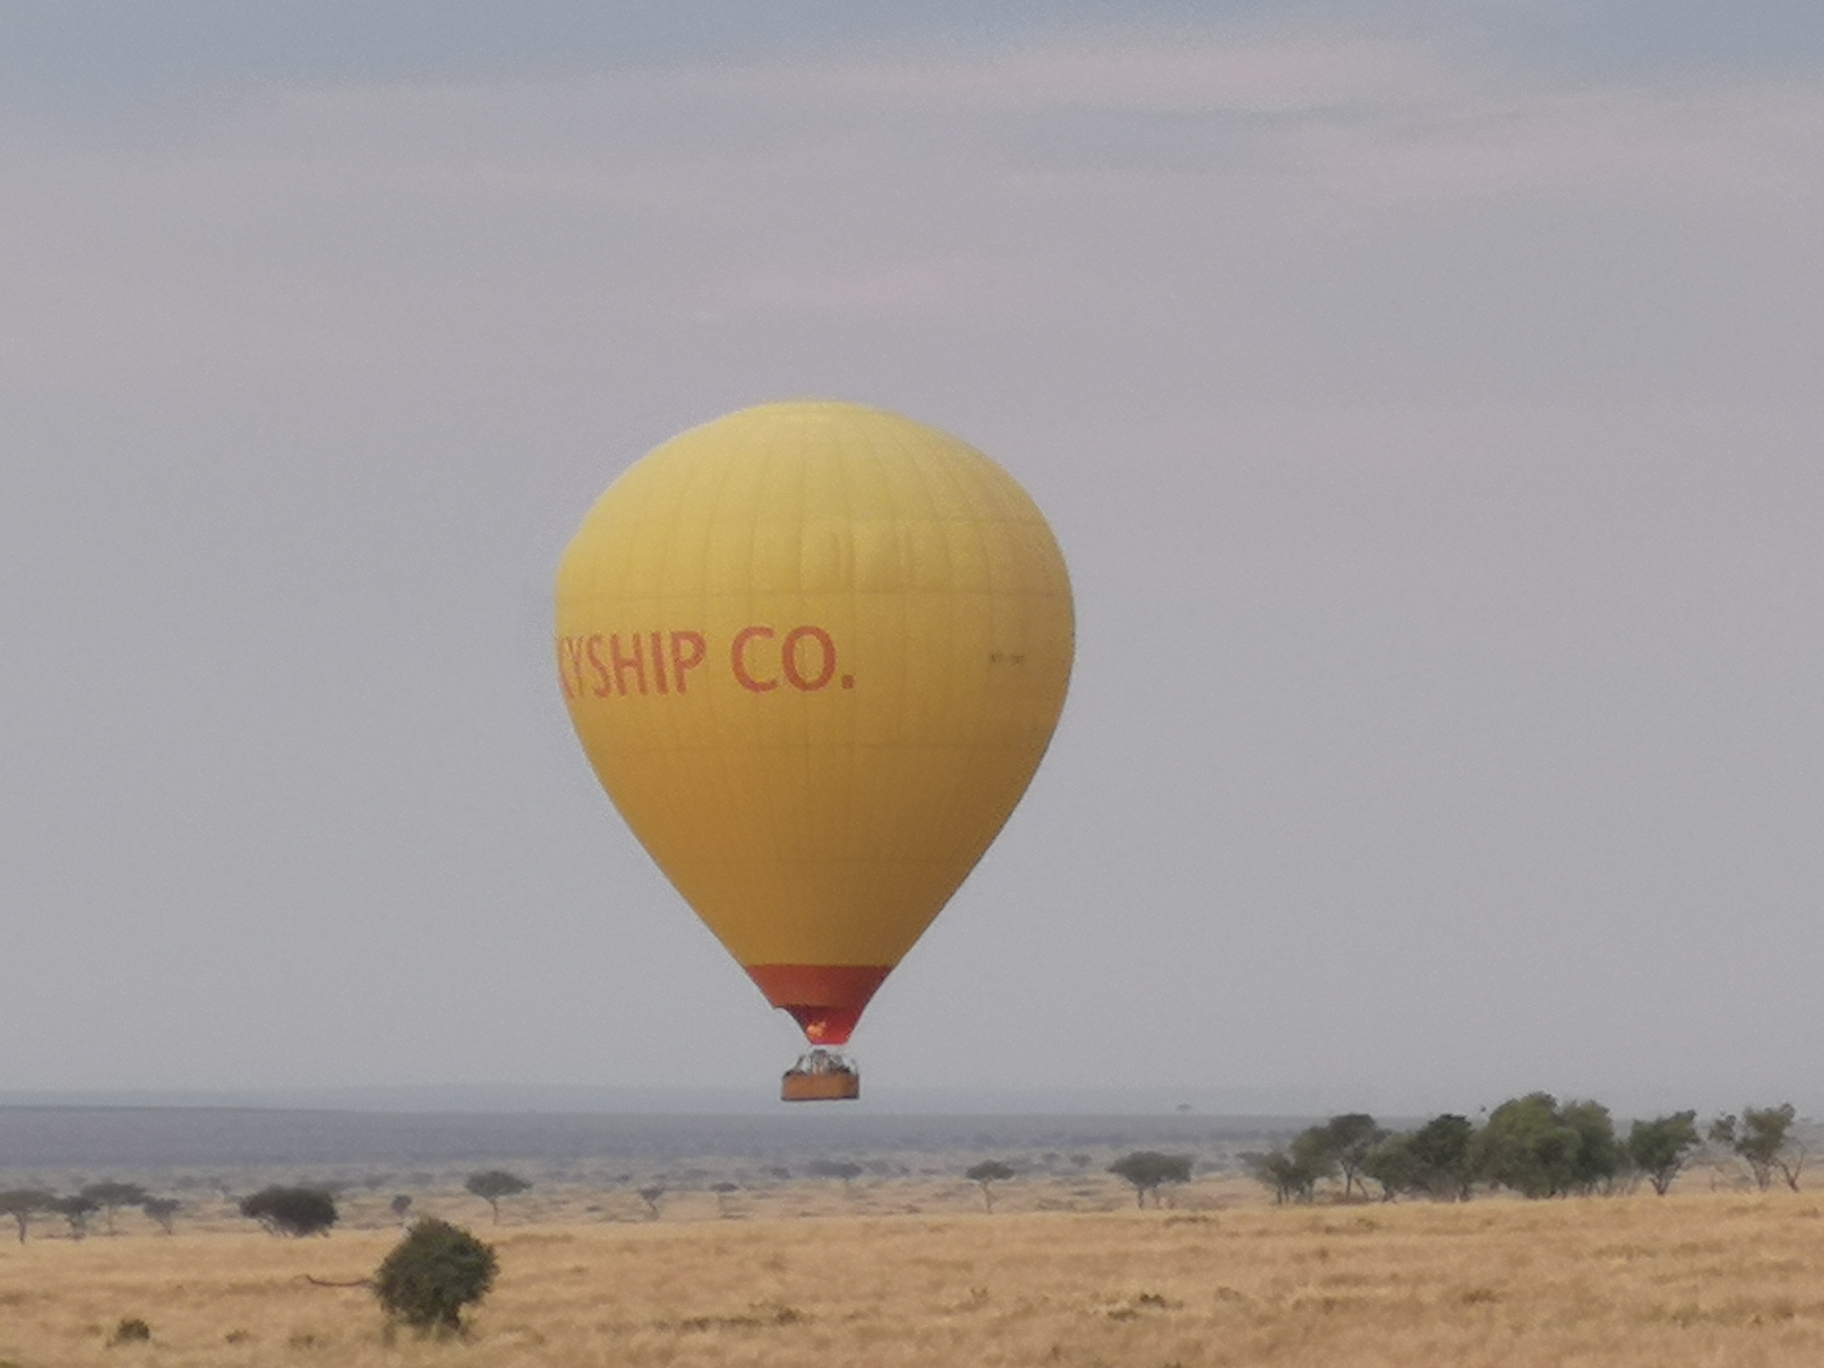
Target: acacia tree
{"points": [[1600, 1158], [492, 1184], [24, 1203], [1350, 1138], [987, 1174], [294, 1211], [1660, 1147], [1279, 1168], [1768, 1130], [1148, 1171], [1434, 1160], [1525, 1147], [1393, 1165], [1293, 1171], [110, 1196], [163, 1210], [1764, 1142], [1340, 1146], [76, 1209], [1538, 1148], [1440, 1157]]}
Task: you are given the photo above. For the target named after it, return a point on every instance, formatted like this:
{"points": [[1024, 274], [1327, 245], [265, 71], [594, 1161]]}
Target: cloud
{"points": [[1376, 116], [1236, 194], [1203, 73], [926, 288], [1710, 144]]}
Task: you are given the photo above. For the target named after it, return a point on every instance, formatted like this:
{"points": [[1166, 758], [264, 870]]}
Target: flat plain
{"points": [[901, 1271]]}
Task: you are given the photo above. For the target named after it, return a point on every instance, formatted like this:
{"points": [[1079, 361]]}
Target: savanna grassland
{"points": [[1723, 1278]]}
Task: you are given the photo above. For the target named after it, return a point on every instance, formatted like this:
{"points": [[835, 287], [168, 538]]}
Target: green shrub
{"points": [[431, 1274], [131, 1330]]}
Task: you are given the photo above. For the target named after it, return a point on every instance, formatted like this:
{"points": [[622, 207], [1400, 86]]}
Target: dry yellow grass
{"points": [[1712, 1279]]}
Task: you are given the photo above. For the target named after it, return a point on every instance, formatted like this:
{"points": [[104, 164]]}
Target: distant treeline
{"points": [[1535, 1146], [304, 1209], [107, 1199]]}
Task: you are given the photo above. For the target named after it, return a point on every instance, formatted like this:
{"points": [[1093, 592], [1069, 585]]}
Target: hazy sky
{"points": [[1427, 399]]}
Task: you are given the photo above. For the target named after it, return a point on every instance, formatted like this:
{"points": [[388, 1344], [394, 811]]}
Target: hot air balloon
{"points": [[815, 652]]}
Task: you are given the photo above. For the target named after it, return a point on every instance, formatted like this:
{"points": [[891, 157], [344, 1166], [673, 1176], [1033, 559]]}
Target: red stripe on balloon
{"points": [[825, 999]]}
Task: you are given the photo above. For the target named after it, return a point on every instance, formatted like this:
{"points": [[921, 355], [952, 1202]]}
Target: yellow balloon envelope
{"points": [[815, 652]]}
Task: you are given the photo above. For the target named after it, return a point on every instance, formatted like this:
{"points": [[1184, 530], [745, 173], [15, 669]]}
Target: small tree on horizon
{"points": [[1764, 1142], [1394, 1166], [1434, 1160], [163, 1211], [1660, 1147], [400, 1206], [75, 1209], [492, 1184], [1276, 1169], [1148, 1171], [1524, 1147], [291, 1211], [987, 1174], [24, 1203], [1537, 1147], [1601, 1161], [1293, 1171], [110, 1196], [1350, 1138]]}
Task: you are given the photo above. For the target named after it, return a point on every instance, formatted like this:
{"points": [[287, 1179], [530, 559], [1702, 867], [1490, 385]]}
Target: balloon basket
{"points": [[821, 1076]]}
